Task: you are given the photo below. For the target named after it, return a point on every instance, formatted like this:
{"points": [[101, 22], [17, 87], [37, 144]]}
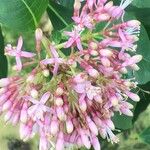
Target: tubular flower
{"points": [[70, 100]]}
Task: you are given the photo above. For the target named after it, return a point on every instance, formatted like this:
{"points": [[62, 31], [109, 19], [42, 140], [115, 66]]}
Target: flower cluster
{"points": [[70, 100]]}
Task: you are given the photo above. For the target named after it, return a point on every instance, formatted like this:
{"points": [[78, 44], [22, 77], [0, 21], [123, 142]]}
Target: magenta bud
{"points": [[133, 23], [93, 72]]}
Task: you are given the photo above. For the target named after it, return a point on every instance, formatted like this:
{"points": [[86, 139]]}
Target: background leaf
{"points": [[141, 3], [60, 16], [3, 60], [145, 135], [21, 15], [143, 75]]}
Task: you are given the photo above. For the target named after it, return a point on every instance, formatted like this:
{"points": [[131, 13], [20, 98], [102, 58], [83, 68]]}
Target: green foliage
{"points": [[3, 60], [59, 15], [145, 135], [22, 15], [143, 75], [141, 3], [122, 122]]}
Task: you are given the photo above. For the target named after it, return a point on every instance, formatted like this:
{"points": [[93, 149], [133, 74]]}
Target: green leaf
{"points": [[56, 36], [60, 16], [122, 122], [143, 75], [66, 3], [141, 3], [145, 135], [22, 15], [142, 105], [3, 60]]}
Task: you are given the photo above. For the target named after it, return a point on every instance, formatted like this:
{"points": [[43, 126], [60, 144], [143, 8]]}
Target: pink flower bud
{"points": [[110, 124], [133, 96], [34, 93], [133, 23], [15, 118], [108, 5], [30, 79], [135, 67], [69, 126], [133, 60], [98, 99], [85, 139], [59, 91], [105, 62], [59, 101], [92, 126], [114, 100], [93, 72], [7, 105], [60, 113], [8, 116], [23, 116], [38, 34], [95, 143], [60, 141], [106, 53], [54, 127], [82, 105], [127, 112], [103, 17], [4, 82], [123, 70]]}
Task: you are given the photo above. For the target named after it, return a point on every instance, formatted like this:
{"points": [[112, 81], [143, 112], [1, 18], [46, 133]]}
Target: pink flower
{"points": [[38, 108], [56, 60], [18, 53], [74, 39]]}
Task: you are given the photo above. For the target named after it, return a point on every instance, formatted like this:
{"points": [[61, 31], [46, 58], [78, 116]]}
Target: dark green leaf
{"points": [[122, 122], [66, 3], [144, 102], [3, 60], [145, 135], [143, 75], [56, 36], [141, 3], [21, 15], [60, 16]]}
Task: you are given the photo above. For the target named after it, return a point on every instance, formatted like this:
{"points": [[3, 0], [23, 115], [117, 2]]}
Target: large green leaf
{"points": [[122, 122], [66, 3], [141, 3], [145, 136], [21, 15], [60, 16], [141, 106], [143, 75], [3, 60]]}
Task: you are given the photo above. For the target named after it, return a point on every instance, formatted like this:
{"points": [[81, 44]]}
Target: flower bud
{"points": [[95, 143], [105, 62], [114, 100], [93, 73], [92, 126], [45, 72], [60, 141], [59, 91], [69, 126], [135, 67], [94, 53], [133, 96], [54, 127], [59, 101], [34, 93], [133, 23], [7, 105], [38, 34], [4, 82], [30, 79], [106, 53], [98, 99], [123, 70]]}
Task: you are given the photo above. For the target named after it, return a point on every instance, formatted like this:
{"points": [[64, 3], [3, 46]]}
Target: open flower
{"points": [[18, 53], [56, 60], [38, 108]]}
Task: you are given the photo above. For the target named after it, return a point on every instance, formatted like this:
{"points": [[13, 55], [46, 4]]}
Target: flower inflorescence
{"points": [[70, 100]]}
